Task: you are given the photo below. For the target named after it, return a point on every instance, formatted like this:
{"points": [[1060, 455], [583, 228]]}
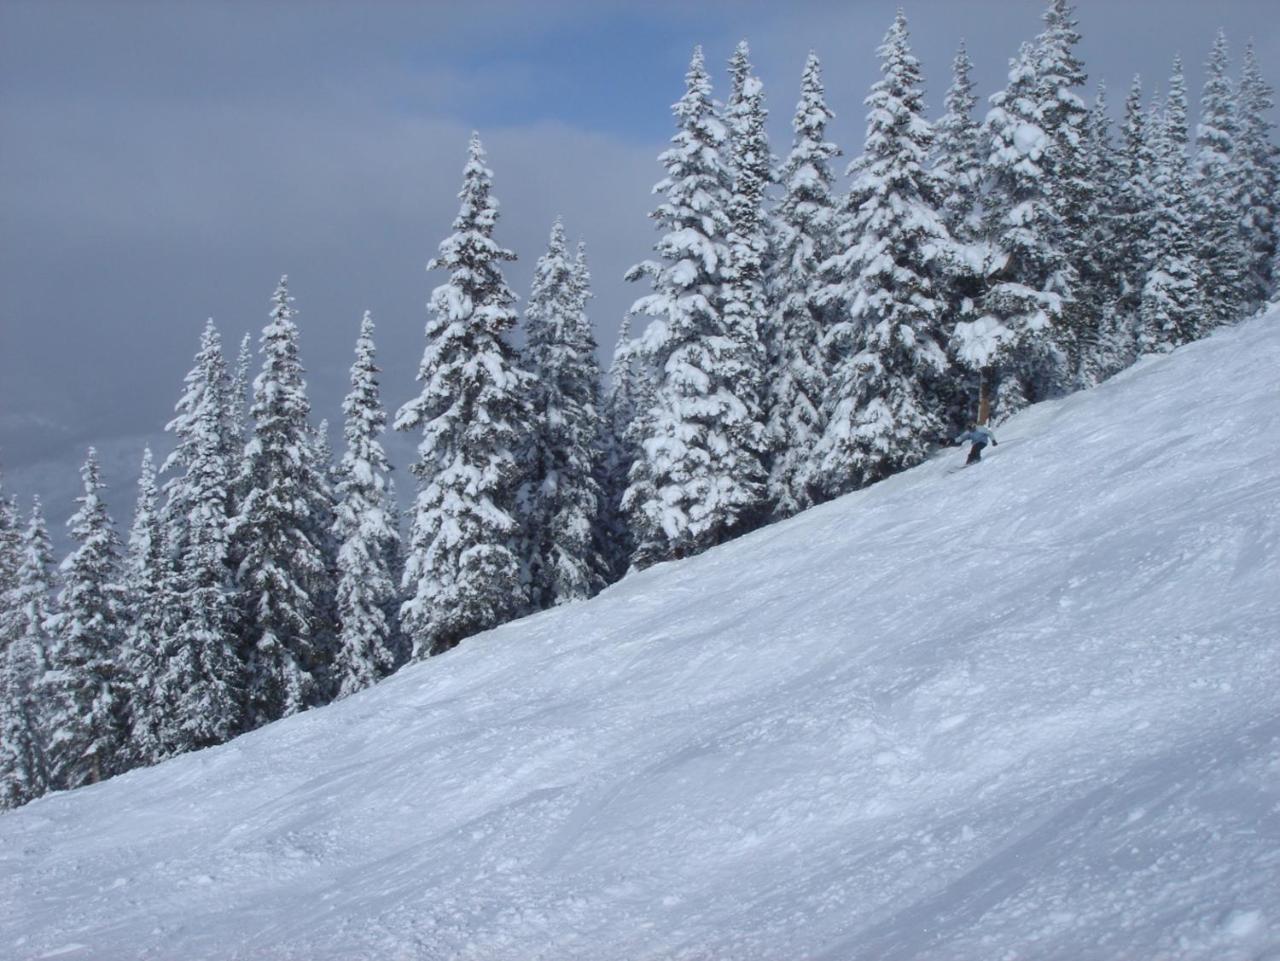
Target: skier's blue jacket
{"points": [[979, 435]]}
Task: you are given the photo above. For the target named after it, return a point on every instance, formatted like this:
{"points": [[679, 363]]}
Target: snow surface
{"points": [[1027, 710]]}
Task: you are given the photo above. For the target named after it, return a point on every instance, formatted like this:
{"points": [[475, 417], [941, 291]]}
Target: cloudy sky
{"points": [[163, 162]]}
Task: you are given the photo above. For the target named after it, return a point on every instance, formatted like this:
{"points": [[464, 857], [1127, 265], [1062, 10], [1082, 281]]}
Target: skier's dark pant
{"points": [[975, 454]]}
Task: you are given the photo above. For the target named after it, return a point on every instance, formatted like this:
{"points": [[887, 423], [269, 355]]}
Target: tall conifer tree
{"points": [[10, 560], [804, 238], [746, 308], [366, 533], [564, 499], [462, 574], [1220, 247], [1013, 342], [627, 394], [24, 763], [88, 699], [700, 478], [958, 156], [1068, 183], [282, 565], [1104, 341], [193, 678], [881, 415], [1172, 310], [1258, 172], [1133, 216], [152, 614]]}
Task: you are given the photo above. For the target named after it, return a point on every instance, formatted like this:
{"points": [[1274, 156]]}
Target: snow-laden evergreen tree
{"points": [[395, 567], [958, 154], [33, 608], [1133, 212], [153, 610], [1220, 245], [282, 566], [33, 598], [238, 413], [366, 533], [193, 678], [462, 572], [198, 692], [324, 517], [88, 699], [564, 500], [880, 413], [699, 478], [804, 238], [746, 308], [627, 394], [1172, 310], [24, 769], [1068, 183], [205, 399], [10, 560], [1258, 172], [1106, 343], [1013, 342], [240, 386]]}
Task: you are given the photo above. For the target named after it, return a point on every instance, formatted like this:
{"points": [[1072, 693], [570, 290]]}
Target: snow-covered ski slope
{"points": [[1025, 711]]}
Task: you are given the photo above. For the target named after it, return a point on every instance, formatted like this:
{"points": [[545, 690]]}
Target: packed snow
{"points": [[1026, 710]]}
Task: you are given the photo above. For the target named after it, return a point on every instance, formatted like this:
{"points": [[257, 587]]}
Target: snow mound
{"points": [[1027, 710]]}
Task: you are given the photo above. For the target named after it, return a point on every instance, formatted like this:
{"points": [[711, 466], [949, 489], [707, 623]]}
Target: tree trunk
{"points": [[984, 397]]}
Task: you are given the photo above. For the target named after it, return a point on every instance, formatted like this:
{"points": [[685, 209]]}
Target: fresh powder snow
{"points": [[1029, 710]]}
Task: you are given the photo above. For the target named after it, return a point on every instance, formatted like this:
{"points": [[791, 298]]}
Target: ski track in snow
{"points": [[1029, 711]]}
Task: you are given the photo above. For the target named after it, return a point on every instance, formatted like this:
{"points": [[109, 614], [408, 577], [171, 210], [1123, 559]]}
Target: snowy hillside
{"points": [[1026, 710]]}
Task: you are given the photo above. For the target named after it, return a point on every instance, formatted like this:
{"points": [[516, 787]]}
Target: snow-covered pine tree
{"points": [[199, 691], [366, 533], [462, 574], [24, 771], [1012, 343], [1105, 349], [403, 645], [10, 560], [746, 313], [1258, 169], [275, 531], [880, 415], [207, 403], [238, 413], [1068, 183], [240, 385], [194, 680], [324, 516], [1133, 215], [804, 238], [152, 613], [1216, 224], [88, 703], [1172, 310], [566, 500], [699, 479], [957, 153], [627, 394], [33, 608]]}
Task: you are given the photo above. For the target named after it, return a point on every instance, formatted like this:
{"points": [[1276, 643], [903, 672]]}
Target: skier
{"points": [[981, 436]]}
